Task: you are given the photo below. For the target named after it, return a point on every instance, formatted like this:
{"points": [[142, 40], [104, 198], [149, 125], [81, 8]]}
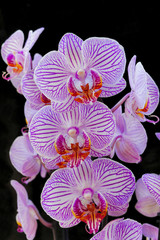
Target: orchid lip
{"points": [[88, 90], [74, 153], [91, 208]]}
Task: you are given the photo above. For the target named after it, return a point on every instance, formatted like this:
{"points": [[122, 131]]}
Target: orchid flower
{"points": [[130, 138], [126, 229], [81, 70], [148, 195], [26, 217], [25, 159], [144, 96], [85, 193], [72, 134], [27, 213], [18, 57]]}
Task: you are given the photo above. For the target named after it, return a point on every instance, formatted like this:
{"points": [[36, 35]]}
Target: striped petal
{"points": [[32, 38], [23, 157], [106, 56], [29, 88], [68, 105], [51, 76], [84, 175], [109, 90], [13, 44], [128, 229], [70, 46], [152, 182], [135, 131], [99, 124], [127, 151], [58, 195], [44, 128], [52, 163], [116, 211], [131, 72], [140, 90], [120, 229], [153, 93], [114, 181]]}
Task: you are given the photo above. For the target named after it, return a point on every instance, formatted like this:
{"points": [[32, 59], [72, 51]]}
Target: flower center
{"points": [[140, 111], [73, 148], [90, 208], [15, 61], [85, 87], [19, 228]]}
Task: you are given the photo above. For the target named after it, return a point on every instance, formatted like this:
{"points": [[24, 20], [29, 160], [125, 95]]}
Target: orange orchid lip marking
{"points": [[44, 99], [74, 153], [87, 94], [140, 111], [91, 209]]}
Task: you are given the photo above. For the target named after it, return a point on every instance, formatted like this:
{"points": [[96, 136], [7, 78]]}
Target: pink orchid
{"points": [[126, 229], [72, 134], [144, 96], [25, 160], [148, 195], [18, 57], [26, 217], [87, 192], [130, 138], [81, 71]]}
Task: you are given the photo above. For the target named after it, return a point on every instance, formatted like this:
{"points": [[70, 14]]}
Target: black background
{"points": [[134, 26]]}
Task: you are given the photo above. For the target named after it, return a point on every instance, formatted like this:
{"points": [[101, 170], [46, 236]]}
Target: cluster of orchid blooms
{"points": [[68, 127]]}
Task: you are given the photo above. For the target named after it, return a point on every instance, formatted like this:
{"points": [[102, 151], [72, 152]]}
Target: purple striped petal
{"points": [[13, 44], [32, 38], [99, 124], [109, 90], [131, 72], [29, 88], [153, 93], [84, 175], [128, 229], [117, 211], [114, 181], [106, 56], [44, 128], [135, 131], [68, 105], [30, 110], [127, 151], [140, 90], [70, 46], [51, 76], [100, 153], [58, 195], [120, 229], [72, 222], [152, 182], [52, 163]]}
